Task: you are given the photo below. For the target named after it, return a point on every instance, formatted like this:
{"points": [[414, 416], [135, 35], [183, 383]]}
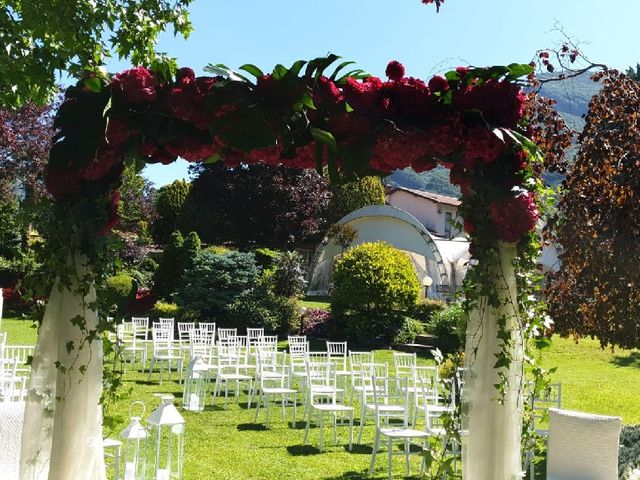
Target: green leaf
{"points": [[279, 71], [252, 69], [212, 159], [249, 131], [325, 137], [296, 67], [340, 67], [224, 71], [519, 70], [93, 83], [452, 76]]}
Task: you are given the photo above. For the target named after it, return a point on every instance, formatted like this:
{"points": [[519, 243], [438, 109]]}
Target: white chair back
{"points": [[582, 446], [226, 333], [142, 327], [183, 331], [404, 363]]}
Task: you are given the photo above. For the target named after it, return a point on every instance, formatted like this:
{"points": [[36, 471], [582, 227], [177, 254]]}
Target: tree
{"points": [[169, 206], [343, 234], [25, 140], [351, 196], [169, 273], [136, 208], [597, 290], [44, 37], [257, 205], [634, 74]]}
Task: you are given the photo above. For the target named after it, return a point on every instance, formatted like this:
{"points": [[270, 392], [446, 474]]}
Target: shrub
{"points": [[424, 310], [169, 272], [351, 196], [374, 286], [450, 365], [289, 278], [317, 322], [259, 307], [116, 293], [215, 280], [408, 331], [448, 327], [164, 310], [629, 456]]}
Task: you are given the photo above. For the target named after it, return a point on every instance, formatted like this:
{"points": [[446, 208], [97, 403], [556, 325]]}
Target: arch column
{"points": [[491, 429]]}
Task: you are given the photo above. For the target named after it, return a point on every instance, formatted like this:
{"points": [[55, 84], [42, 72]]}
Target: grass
{"points": [[228, 444], [316, 302]]}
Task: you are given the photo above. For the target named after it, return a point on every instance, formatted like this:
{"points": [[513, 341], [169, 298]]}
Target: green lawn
{"points": [[227, 444], [316, 302]]}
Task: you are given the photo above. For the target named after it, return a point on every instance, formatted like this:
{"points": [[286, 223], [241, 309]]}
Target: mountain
{"points": [[572, 96]]}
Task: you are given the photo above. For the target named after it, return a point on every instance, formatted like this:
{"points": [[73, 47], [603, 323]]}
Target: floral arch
{"points": [[345, 124]]}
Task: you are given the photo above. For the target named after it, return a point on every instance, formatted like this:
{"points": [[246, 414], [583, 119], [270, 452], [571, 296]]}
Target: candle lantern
{"points": [[165, 441], [133, 446], [195, 386]]}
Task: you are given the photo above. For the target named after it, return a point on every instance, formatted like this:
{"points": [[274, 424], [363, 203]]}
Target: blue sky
{"points": [[465, 32]]}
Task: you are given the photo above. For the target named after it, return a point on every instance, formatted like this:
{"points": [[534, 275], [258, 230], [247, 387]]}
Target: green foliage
{"points": [[170, 270], [143, 273], [425, 309], [289, 277], [629, 448], [449, 366], [165, 310], [448, 326], [374, 286], [351, 196], [258, 307], [408, 331], [42, 38], [343, 234], [136, 208], [116, 293], [190, 250], [216, 280], [266, 257], [170, 201], [634, 73]]}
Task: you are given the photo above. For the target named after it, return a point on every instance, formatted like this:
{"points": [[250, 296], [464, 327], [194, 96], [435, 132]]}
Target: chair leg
{"points": [[374, 452], [266, 399], [351, 430], [295, 409], [363, 417], [407, 460], [306, 430], [258, 402], [335, 429], [390, 455], [321, 429], [250, 393]]}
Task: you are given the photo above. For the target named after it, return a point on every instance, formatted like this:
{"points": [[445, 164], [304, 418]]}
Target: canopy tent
{"points": [[441, 260]]}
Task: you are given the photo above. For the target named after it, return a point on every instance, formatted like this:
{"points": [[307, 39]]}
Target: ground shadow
{"points": [[302, 450], [298, 425], [350, 476], [257, 427], [630, 360], [359, 449]]}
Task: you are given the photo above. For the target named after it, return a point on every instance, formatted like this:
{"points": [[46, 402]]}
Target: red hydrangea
{"points": [[483, 145], [395, 149], [395, 71], [501, 103], [412, 96], [187, 100], [113, 218], [438, 84], [468, 226], [62, 183], [514, 216], [118, 131], [446, 138], [191, 148], [135, 85], [105, 159], [156, 153], [363, 96], [305, 157], [345, 125], [328, 92], [268, 155]]}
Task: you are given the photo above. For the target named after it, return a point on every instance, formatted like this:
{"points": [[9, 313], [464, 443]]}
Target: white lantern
{"points": [[195, 386], [133, 446], [165, 442]]}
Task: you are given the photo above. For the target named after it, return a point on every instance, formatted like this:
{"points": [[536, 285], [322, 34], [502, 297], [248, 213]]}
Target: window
{"points": [[448, 220]]}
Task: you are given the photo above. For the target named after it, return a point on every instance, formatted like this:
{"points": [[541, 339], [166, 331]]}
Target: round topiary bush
{"points": [[375, 285], [117, 293]]}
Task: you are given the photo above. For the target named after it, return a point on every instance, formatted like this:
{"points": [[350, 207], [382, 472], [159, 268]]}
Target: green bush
{"points": [[165, 310], [629, 456], [351, 196], [116, 293], [375, 285], [169, 272], [448, 326], [259, 307], [410, 328], [424, 310], [289, 277], [215, 280]]}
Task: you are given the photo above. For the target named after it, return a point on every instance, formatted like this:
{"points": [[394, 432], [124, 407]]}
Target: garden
{"points": [[170, 333]]}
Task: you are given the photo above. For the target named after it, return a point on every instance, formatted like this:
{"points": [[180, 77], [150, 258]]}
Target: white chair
{"points": [[253, 334], [423, 390], [364, 389], [209, 327], [356, 359], [22, 353], [550, 397], [10, 382], [404, 363], [127, 335], [337, 352], [391, 402], [164, 351], [273, 382], [322, 400], [582, 446], [167, 323], [232, 367], [226, 333], [297, 364]]}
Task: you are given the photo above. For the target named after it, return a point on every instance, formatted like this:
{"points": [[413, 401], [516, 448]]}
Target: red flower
{"points": [[191, 148], [468, 226], [113, 218], [462, 71], [395, 149], [118, 131], [446, 138], [328, 91], [135, 85], [60, 183], [412, 96], [363, 95], [395, 71], [501, 103], [482, 144], [105, 159], [268, 155], [185, 76], [438, 84], [305, 157], [187, 101], [514, 216]]}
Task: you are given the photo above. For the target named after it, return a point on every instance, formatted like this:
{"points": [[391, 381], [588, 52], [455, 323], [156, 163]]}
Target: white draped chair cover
{"points": [[62, 434], [490, 430]]}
